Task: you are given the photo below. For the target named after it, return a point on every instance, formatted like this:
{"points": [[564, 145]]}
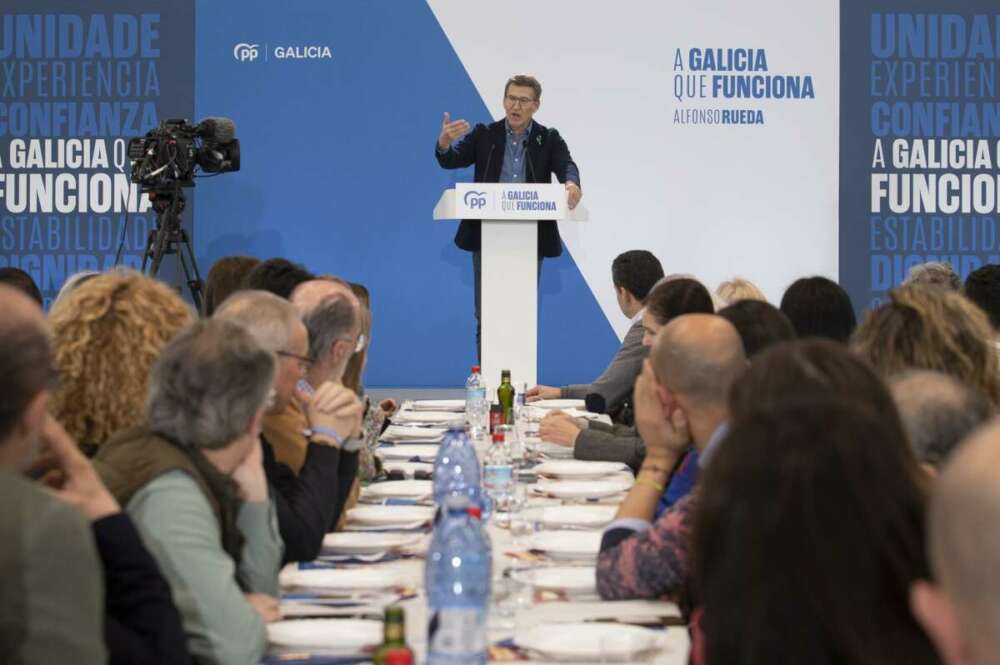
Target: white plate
{"points": [[453, 405], [559, 404], [588, 517], [573, 580], [401, 488], [567, 544], [588, 641], [578, 468], [389, 515], [554, 450], [335, 637], [403, 432], [428, 417], [363, 542], [367, 578], [581, 489], [407, 468], [425, 453]]}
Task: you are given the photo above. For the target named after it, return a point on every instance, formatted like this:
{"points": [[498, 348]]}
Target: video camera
{"points": [[167, 156]]}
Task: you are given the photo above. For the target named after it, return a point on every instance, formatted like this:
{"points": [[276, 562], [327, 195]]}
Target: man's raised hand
{"points": [[451, 130]]}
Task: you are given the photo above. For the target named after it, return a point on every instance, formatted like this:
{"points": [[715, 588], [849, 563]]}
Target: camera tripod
{"points": [[168, 237]]}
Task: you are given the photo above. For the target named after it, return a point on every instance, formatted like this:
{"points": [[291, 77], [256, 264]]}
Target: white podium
{"points": [[510, 213]]}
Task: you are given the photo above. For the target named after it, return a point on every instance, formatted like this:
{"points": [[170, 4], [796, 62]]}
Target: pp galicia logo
{"points": [[475, 200], [244, 52]]}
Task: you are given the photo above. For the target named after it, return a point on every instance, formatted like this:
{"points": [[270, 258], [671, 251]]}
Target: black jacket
{"points": [[309, 505], [141, 624], [484, 147]]}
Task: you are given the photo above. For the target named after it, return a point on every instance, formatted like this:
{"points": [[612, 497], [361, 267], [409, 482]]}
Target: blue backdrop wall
{"points": [[339, 174], [337, 165]]}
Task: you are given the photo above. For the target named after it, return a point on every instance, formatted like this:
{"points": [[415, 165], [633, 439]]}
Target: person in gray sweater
{"points": [[759, 324], [633, 274], [593, 440]]}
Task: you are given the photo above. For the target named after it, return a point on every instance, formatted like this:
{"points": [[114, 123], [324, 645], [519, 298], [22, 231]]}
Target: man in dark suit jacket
{"points": [[515, 149]]}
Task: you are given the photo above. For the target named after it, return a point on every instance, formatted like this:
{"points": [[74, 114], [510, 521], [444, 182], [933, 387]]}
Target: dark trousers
{"points": [[477, 273]]}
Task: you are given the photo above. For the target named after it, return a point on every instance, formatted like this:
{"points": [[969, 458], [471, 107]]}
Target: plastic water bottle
{"points": [[456, 469], [498, 479], [475, 402], [457, 577]]}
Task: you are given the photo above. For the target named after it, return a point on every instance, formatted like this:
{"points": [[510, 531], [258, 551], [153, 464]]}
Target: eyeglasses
{"points": [[305, 362], [519, 101]]}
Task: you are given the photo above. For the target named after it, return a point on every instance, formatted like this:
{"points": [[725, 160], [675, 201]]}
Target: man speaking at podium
{"points": [[515, 149]]}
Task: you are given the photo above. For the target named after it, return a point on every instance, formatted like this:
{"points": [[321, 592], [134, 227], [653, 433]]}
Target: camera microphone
{"points": [[216, 130]]}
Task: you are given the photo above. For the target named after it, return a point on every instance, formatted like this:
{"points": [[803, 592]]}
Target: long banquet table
{"points": [[534, 609]]}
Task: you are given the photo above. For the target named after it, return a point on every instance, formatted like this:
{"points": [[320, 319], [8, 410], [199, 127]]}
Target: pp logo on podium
{"points": [[475, 200]]}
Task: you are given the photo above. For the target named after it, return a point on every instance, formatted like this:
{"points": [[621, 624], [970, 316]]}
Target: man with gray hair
{"points": [[960, 609], [332, 316], [192, 480], [309, 505], [680, 399], [938, 412]]}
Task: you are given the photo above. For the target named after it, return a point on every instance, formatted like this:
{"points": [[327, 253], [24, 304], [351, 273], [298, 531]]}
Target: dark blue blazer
{"points": [[484, 147]]}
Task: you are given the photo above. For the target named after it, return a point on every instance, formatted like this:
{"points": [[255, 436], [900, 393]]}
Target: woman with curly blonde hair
{"points": [[106, 335], [930, 328]]}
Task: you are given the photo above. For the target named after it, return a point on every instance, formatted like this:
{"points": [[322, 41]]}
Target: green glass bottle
{"points": [[394, 640], [505, 395]]}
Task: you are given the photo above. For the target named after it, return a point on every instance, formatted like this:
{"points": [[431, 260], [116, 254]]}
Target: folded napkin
{"points": [[403, 432]]}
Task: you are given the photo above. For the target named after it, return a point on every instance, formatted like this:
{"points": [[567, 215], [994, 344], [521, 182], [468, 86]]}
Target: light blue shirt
{"points": [[515, 154]]}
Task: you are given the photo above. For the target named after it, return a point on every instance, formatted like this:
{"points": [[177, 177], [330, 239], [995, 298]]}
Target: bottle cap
{"points": [[497, 437], [475, 511], [475, 369]]}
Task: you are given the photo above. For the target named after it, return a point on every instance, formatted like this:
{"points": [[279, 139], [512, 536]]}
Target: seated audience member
{"points": [[633, 274], [375, 415], [934, 329], [55, 614], [938, 412], [310, 503], [331, 313], [52, 602], [73, 281], [934, 273], [22, 281], [819, 307], [620, 443], [191, 477], [106, 334], [982, 287], [680, 397], [760, 324], [225, 278], [807, 535], [738, 289], [959, 609], [279, 276]]}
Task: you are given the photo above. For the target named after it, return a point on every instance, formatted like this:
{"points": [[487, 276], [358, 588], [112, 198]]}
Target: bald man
{"points": [[680, 400], [961, 612]]}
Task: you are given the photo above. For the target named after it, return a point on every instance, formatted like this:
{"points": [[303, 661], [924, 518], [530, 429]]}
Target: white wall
{"points": [[715, 201]]}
